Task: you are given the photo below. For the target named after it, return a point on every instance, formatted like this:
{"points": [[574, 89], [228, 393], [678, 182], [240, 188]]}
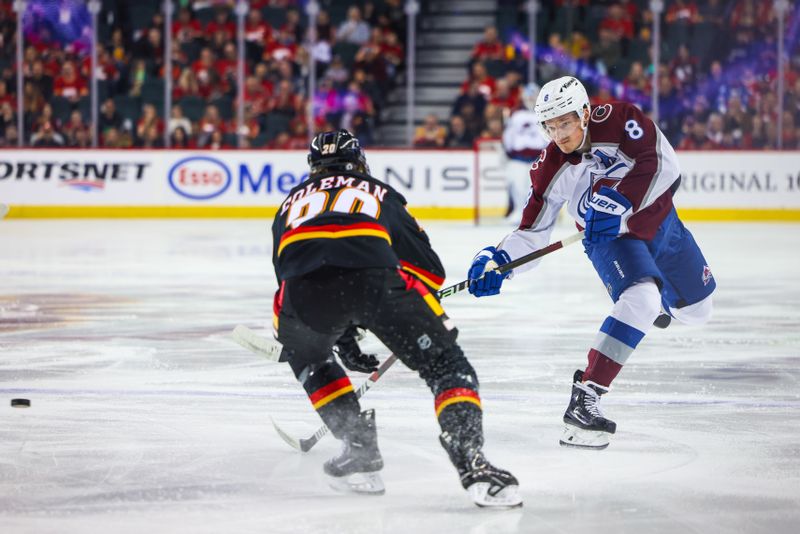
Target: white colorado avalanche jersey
{"points": [[628, 153], [523, 138]]}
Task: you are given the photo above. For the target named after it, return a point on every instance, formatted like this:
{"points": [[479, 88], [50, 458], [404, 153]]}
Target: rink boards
{"points": [[438, 184]]}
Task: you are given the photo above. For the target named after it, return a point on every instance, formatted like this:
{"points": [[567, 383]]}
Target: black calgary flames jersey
{"points": [[350, 220]]}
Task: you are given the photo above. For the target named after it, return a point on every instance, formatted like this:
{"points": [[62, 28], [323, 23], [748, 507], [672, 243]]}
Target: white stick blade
{"points": [[257, 344], [294, 443]]}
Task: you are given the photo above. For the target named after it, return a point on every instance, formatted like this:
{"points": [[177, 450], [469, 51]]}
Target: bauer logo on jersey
{"points": [[199, 177]]}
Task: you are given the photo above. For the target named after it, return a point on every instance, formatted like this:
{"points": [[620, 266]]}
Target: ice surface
{"points": [[146, 418]]}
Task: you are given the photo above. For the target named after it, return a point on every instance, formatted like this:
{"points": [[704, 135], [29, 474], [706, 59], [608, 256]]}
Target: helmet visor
{"points": [[561, 127]]}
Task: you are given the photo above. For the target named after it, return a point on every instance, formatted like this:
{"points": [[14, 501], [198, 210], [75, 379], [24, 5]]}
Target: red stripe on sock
{"points": [[601, 369], [324, 391]]}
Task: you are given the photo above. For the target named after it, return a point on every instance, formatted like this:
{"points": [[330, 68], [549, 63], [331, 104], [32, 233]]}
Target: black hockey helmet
{"points": [[336, 151]]}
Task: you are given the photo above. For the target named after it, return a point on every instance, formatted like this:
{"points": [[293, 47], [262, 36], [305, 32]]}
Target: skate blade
{"points": [[584, 439], [508, 497], [360, 483]]}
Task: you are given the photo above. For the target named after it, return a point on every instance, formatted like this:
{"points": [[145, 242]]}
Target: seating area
{"points": [[359, 49], [717, 72]]}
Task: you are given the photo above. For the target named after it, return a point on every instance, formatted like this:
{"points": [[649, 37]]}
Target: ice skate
{"points": [[585, 425], [487, 485], [355, 470]]}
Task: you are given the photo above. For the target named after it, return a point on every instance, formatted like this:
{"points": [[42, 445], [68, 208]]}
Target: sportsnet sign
{"points": [[214, 178], [436, 183]]}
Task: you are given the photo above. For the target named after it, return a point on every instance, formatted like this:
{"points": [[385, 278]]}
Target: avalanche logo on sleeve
{"points": [[707, 276]]}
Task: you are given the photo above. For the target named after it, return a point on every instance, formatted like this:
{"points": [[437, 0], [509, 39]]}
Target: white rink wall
{"points": [[438, 184]]}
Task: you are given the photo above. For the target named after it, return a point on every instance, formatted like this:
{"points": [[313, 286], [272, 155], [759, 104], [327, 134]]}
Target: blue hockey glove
{"points": [[483, 262], [607, 216]]}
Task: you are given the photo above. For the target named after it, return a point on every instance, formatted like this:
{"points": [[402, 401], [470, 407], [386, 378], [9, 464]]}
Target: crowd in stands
{"points": [[717, 76], [357, 53], [717, 73]]}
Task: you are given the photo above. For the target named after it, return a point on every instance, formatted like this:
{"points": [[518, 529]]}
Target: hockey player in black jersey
{"points": [[347, 253]]}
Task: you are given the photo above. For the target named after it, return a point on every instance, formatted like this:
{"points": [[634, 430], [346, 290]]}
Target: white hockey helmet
{"points": [[561, 96], [529, 94]]}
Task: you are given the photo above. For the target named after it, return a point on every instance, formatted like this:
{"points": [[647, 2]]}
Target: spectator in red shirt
{"points": [[222, 23], [281, 47], [490, 48], [285, 100], [680, 18], [486, 83], [256, 31], [751, 14], [105, 67], [683, 67], [227, 64], [392, 50], [69, 84], [256, 97], [681, 11], [504, 97], [205, 71], [618, 22], [149, 119], [185, 28], [187, 85], [695, 136]]}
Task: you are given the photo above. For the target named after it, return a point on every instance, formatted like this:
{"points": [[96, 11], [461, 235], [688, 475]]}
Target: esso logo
{"points": [[199, 177]]}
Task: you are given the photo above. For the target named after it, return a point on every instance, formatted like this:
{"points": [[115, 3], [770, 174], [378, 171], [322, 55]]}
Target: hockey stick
{"points": [[535, 255], [304, 445], [252, 341]]}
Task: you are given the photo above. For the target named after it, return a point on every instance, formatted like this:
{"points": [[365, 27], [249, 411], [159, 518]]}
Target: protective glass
{"points": [[561, 127]]}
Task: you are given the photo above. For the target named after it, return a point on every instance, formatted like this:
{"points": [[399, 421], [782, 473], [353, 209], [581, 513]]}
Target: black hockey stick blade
{"points": [[522, 260]]}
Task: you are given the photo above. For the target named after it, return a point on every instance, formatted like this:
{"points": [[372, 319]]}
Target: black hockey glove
{"points": [[348, 351]]}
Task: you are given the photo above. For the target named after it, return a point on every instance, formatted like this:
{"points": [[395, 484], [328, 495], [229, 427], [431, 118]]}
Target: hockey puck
{"points": [[20, 403]]}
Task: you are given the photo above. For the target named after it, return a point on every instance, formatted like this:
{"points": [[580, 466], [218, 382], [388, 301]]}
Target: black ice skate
{"points": [[487, 485], [586, 426], [356, 468]]}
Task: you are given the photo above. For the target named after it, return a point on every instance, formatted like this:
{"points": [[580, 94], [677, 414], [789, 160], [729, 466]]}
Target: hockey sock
{"points": [[459, 412], [601, 369], [613, 345], [331, 393]]}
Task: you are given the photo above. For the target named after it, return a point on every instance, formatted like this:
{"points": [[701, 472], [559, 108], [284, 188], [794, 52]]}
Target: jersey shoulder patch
{"points": [[547, 164], [601, 113]]}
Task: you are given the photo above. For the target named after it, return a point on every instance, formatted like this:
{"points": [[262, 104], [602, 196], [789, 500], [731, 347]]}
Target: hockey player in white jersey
{"points": [[617, 174], [523, 140]]}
